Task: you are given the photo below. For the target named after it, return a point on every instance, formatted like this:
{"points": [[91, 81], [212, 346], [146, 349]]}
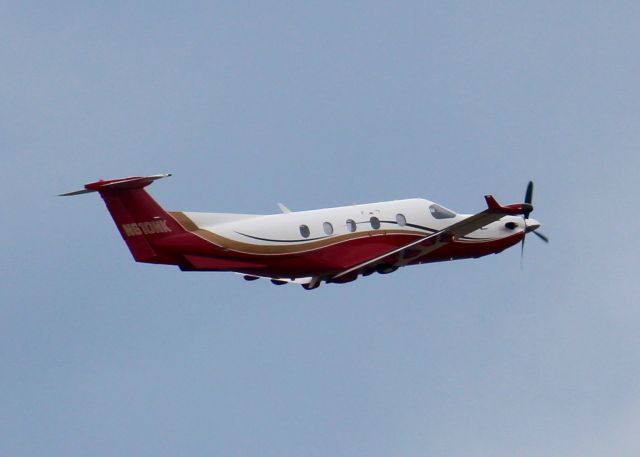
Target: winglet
{"points": [[492, 203], [518, 208]]}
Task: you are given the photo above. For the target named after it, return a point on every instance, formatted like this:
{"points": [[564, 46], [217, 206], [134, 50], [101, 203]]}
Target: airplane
{"points": [[331, 245]]}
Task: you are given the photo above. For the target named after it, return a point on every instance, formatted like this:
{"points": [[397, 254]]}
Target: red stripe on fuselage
{"points": [[323, 261]]}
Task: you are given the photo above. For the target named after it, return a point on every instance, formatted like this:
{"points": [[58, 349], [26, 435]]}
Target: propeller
{"points": [[541, 236], [528, 198]]}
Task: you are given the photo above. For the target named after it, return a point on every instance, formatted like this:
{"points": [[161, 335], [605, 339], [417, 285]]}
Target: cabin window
{"points": [[351, 225], [439, 212], [401, 220], [328, 228], [304, 231], [375, 222]]}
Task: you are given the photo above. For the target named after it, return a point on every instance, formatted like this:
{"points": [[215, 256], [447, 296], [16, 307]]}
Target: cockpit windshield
{"points": [[440, 212]]}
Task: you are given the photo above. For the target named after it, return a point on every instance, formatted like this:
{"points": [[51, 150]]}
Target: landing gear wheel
{"points": [[385, 269]]}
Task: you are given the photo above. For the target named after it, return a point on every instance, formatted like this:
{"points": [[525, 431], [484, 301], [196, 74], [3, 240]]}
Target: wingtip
{"points": [[518, 208], [492, 203]]}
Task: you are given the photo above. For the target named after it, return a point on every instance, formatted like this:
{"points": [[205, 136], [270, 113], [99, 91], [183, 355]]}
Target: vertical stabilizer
{"points": [[139, 219]]}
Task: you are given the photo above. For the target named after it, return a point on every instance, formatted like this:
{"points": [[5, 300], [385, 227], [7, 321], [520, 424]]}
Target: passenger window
{"points": [[375, 222], [439, 212], [351, 225], [304, 231], [328, 228], [401, 220]]}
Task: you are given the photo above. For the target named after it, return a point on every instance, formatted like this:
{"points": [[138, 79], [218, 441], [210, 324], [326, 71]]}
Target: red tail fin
{"points": [[140, 220]]}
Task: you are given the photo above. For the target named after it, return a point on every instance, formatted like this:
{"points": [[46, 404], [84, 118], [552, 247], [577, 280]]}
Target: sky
{"points": [[320, 104]]}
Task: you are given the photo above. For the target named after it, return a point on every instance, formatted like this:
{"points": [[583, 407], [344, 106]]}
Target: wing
{"points": [[430, 243]]}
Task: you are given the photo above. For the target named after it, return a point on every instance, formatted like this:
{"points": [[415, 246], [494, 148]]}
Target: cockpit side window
{"points": [[440, 212]]}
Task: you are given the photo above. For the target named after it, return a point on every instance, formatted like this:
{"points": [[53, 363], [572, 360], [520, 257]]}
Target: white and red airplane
{"points": [[334, 245]]}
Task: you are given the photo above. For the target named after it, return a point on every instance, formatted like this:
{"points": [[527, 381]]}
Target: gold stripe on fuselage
{"points": [[299, 248]]}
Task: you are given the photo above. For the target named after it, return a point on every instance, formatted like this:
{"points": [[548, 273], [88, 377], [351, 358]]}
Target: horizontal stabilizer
{"points": [[76, 192], [133, 182]]}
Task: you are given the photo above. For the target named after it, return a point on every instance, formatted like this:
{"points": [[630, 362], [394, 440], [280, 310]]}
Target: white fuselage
{"points": [[410, 215]]}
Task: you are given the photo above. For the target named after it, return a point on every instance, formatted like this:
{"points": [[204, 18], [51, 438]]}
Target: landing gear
{"points": [[384, 269], [314, 284]]}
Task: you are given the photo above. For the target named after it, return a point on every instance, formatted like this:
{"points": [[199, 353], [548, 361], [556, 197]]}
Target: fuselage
{"points": [[325, 241]]}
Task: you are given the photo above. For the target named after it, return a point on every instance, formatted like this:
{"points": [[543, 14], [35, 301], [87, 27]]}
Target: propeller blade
{"points": [[541, 236], [528, 197], [524, 237]]}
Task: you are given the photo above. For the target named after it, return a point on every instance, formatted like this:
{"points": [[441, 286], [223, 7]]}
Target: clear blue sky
{"points": [[319, 104]]}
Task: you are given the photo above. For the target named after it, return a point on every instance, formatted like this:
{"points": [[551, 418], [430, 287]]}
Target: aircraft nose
{"points": [[532, 225]]}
